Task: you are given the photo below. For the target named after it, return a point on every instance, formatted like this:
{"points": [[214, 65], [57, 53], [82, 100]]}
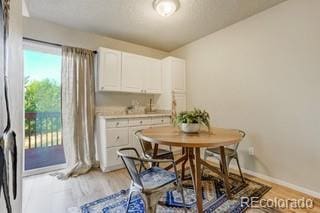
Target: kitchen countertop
{"points": [[108, 116]]}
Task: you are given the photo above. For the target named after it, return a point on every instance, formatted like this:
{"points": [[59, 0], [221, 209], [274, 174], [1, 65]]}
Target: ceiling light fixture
{"points": [[166, 7]]}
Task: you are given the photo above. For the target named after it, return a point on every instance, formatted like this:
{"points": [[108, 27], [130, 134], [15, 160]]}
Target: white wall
{"points": [[15, 96], [51, 32], [262, 75]]}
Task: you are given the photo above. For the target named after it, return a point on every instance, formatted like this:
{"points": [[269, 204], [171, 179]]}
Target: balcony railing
{"points": [[42, 129]]}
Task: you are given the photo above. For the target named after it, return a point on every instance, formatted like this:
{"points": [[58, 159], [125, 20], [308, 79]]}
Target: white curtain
{"points": [[77, 111]]}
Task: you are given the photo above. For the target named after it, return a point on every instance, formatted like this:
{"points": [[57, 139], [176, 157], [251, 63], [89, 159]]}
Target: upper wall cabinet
{"points": [[133, 69], [108, 70], [173, 84], [127, 72], [153, 76], [178, 67], [141, 74]]}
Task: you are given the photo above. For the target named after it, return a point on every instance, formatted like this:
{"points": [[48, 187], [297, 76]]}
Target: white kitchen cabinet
{"points": [[110, 135], [153, 76], [141, 74], [116, 137], [113, 134], [140, 121], [126, 72], [162, 121], [108, 70], [173, 84], [181, 104], [178, 68], [133, 69]]}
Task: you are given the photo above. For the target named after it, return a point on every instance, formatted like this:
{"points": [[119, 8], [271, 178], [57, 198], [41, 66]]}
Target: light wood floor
{"points": [[46, 194]]}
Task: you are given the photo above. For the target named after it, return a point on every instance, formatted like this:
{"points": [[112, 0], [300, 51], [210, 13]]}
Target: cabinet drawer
{"points": [[140, 121], [114, 123], [117, 137], [161, 120]]}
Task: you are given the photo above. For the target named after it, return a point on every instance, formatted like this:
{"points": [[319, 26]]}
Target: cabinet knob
{"points": [[118, 137], [141, 122], [117, 123], [162, 120]]}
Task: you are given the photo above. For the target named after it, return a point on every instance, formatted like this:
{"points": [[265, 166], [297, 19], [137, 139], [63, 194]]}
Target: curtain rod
{"points": [[50, 43]]}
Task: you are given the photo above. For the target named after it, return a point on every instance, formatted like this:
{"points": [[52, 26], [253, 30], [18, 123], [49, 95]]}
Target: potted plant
{"points": [[191, 121]]}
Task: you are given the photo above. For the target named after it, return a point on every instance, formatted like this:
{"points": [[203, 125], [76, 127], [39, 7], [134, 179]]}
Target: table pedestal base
{"points": [[192, 156]]}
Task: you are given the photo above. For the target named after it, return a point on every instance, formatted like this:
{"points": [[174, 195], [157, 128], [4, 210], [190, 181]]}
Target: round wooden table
{"points": [[217, 137]]}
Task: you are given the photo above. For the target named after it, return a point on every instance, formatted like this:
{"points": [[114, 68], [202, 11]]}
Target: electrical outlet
{"points": [[251, 151]]}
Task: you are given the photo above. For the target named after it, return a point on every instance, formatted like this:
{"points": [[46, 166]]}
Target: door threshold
{"points": [[43, 170]]}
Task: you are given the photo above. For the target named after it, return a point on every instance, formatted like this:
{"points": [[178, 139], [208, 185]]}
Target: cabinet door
{"points": [[178, 67], [181, 102], [110, 160], [133, 69], [109, 70], [153, 76]]}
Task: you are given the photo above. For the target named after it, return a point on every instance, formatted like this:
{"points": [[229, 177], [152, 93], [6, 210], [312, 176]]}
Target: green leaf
{"points": [[194, 116]]}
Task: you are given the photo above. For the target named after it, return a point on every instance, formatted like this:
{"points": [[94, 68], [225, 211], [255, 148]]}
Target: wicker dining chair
{"points": [[152, 182], [148, 150], [230, 153]]}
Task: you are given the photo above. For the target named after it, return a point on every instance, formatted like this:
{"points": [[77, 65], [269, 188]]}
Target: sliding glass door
{"points": [[43, 146]]}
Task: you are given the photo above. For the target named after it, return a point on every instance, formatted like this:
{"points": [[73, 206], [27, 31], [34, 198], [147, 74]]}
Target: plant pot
{"points": [[190, 128]]}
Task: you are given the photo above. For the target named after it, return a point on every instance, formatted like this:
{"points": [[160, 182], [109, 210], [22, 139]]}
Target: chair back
{"points": [[243, 134], [144, 144], [130, 164]]}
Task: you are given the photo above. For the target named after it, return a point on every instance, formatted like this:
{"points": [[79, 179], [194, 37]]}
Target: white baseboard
{"points": [[280, 182], [274, 180]]}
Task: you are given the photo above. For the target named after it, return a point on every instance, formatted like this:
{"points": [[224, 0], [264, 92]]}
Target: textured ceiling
{"points": [[136, 21]]}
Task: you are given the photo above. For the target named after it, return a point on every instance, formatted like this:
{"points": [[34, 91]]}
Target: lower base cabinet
{"points": [[113, 134]]}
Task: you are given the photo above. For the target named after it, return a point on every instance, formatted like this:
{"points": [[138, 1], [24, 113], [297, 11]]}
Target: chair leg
{"points": [[228, 161], [179, 183], [183, 199], [240, 169], [220, 165], [180, 189], [205, 157], [183, 169], [129, 199]]}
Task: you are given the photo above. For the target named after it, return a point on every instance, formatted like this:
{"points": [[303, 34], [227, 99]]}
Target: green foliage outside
{"points": [[42, 96]]}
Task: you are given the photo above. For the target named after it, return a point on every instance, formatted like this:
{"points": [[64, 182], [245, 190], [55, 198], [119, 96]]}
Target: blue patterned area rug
{"points": [[214, 198]]}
